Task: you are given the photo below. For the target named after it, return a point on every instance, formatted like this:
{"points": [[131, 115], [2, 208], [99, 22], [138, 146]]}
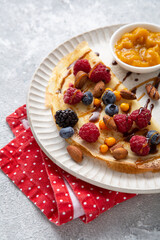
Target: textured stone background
{"points": [[29, 30]]}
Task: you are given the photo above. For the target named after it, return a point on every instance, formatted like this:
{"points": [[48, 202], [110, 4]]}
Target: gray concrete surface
{"points": [[29, 30]]}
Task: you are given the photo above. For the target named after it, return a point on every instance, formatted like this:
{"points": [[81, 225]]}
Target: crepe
{"points": [[62, 76]]}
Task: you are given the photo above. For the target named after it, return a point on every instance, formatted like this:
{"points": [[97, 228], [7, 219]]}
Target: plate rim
{"points": [[81, 177]]}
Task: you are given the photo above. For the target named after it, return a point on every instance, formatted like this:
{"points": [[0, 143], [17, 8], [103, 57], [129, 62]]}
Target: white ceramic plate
{"points": [[46, 133]]}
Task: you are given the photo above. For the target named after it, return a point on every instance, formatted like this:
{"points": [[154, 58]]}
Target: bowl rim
{"points": [[121, 29]]}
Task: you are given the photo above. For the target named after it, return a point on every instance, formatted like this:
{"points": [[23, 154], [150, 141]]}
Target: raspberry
{"points": [[139, 145], [142, 117], [89, 132], [123, 122], [81, 65], [72, 96], [66, 118], [100, 73]]}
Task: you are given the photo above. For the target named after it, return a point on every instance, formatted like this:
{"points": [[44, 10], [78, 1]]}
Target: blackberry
{"points": [[66, 118]]}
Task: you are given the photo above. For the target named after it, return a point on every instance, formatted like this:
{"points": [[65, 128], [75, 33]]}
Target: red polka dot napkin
{"points": [[60, 196]]}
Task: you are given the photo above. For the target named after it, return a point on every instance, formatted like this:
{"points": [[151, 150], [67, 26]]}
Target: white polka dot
{"points": [[116, 192], [94, 206], [17, 131], [78, 193], [0, 159], [22, 114], [13, 181], [47, 186], [21, 143], [37, 196], [52, 210], [90, 215], [53, 201], [110, 191], [2, 151], [70, 217], [25, 164], [35, 203], [44, 201], [17, 165], [124, 198], [42, 210], [59, 177], [49, 165], [43, 163], [73, 183], [69, 205], [88, 195], [10, 159], [103, 208], [97, 197], [91, 189], [29, 188], [58, 190], [64, 213], [38, 187], [24, 131], [35, 156], [41, 170], [85, 203], [13, 123], [30, 143], [62, 185], [31, 179], [50, 219], [14, 113], [27, 156], [34, 163], [12, 144], [22, 180], [14, 173], [24, 172], [40, 179], [46, 194], [18, 158], [83, 218], [28, 196], [29, 150], [37, 150], [32, 171], [101, 191], [107, 199], [23, 137], [11, 151], [61, 200], [8, 166], [82, 186], [54, 181], [20, 189], [56, 222], [66, 194]]}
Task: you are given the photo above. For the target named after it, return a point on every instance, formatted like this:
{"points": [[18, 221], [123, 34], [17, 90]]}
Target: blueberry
{"points": [[87, 98], [111, 109], [66, 132], [154, 137], [108, 97]]}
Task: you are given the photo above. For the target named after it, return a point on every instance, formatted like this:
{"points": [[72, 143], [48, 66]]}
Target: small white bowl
{"points": [[127, 28]]}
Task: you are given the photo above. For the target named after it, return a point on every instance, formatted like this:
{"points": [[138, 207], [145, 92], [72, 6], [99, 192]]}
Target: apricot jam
{"points": [[140, 48]]}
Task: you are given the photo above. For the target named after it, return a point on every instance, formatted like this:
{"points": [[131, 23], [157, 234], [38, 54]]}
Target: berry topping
{"points": [[66, 118], [124, 122], [139, 145], [72, 96], [81, 65], [111, 109], [154, 137], [141, 116], [89, 132], [66, 132], [100, 73], [87, 98], [108, 97]]}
